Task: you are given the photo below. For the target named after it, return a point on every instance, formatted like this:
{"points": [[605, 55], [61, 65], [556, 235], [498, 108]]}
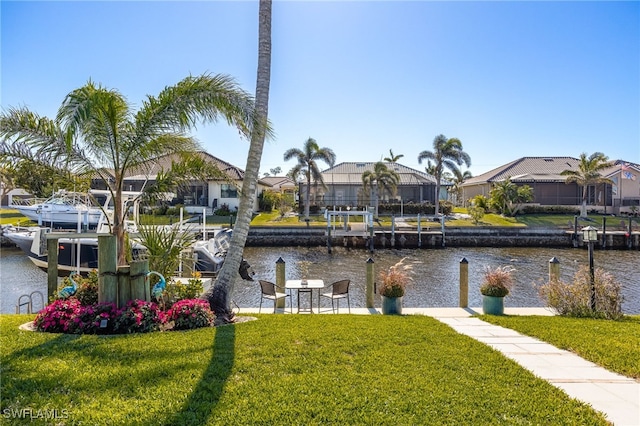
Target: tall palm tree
{"points": [[393, 158], [220, 296], [380, 178], [308, 158], [96, 130], [588, 173], [446, 153]]}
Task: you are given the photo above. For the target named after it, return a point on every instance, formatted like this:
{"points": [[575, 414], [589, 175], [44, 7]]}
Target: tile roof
{"points": [[278, 181], [351, 173], [164, 163], [529, 169]]}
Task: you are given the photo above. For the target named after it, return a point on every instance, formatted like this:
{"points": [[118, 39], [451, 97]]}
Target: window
{"points": [[228, 191]]}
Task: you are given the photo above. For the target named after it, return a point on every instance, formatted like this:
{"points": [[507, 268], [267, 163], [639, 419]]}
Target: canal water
{"points": [[436, 272]]}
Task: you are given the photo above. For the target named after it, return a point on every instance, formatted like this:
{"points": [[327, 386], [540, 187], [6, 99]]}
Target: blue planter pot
{"points": [[492, 305], [391, 305]]}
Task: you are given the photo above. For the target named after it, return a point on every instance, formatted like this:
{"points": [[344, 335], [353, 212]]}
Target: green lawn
{"points": [[614, 345], [280, 369]]}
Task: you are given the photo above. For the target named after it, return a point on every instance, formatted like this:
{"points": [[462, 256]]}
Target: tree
{"points": [[96, 131], [220, 295], [380, 178], [458, 179], [506, 197], [588, 173], [446, 153], [393, 158], [308, 158]]}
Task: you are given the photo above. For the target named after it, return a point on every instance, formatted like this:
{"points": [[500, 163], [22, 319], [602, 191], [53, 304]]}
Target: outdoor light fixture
{"points": [[590, 236]]}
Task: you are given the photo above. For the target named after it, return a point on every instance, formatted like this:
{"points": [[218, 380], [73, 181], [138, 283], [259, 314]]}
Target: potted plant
{"points": [[393, 283], [496, 283]]}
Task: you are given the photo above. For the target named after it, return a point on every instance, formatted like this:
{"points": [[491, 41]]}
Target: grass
{"points": [[614, 345], [280, 369]]}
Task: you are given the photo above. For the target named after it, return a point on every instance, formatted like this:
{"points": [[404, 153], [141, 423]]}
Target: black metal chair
{"points": [[270, 292], [339, 290]]}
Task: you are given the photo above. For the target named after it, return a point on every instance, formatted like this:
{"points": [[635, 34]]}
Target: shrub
{"points": [[57, 317], [87, 292], [190, 313], [574, 299], [177, 290], [497, 282], [476, 213], [223, 210], [90, 319], [138, 317]]}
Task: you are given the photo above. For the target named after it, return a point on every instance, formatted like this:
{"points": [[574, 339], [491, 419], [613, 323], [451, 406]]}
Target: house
{"points": [[212, 194], [544, 175], [343, 186]]}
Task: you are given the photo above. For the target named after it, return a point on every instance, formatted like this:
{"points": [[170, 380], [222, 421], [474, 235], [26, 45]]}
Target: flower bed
{"points": [[81, 314]]}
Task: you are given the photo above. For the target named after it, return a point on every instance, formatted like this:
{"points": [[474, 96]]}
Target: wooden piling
{"points": [[464, 283], [107, 269], [554, 269], [280, 280], [124, 285], [52, 267], [138, 272], [370, 283]]}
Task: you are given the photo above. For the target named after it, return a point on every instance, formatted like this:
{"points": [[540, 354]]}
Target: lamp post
{"points": [[590, 236]]}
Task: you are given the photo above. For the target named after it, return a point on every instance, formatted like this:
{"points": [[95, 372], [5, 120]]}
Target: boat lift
{"points": [[339, 225]]}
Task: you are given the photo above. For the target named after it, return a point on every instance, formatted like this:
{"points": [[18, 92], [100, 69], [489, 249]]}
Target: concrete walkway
{"points": [[617, 396]]}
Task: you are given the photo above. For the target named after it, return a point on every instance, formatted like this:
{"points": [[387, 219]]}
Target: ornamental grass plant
{"points": [[394, 281], [497, 281], [573, 299]]}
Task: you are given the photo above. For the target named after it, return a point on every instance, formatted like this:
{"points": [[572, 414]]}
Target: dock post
{"points": [[604, 232], [124, 285], [280, 281], [52, 267], [554, 269], [370, 282], [464, 283], [393, 231], [107, 269], [442, 229], [139, 269], [419, 232]]}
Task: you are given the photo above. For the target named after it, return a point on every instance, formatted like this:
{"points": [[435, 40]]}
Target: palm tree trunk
{"points": [[583, 207], [220, 295], [307, 196]]}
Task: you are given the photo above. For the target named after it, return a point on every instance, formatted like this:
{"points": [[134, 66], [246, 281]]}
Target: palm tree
{"points": [[458, 179], [220, 296], [381, 177], [393, 158], [96, 130], [588, 173], [308, 159], [446, 153]]}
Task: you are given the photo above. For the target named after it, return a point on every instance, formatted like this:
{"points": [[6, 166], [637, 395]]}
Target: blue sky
{"points": [[509, 79]]}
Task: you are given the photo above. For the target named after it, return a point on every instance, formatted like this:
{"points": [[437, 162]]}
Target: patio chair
{"points": [[270, 291], [339, 290]]}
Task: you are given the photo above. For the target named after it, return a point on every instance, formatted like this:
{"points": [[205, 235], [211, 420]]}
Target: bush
{"points": [[574, 299], [176, 291], [190, 313], [138, 317], [223, 210], [57, 317], [90, 319]]}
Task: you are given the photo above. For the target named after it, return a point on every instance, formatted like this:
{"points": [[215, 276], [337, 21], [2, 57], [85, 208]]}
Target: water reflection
{"points": [[436, 272]]}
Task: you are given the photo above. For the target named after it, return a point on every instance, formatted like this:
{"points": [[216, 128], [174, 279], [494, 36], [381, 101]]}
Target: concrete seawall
{"points": [[453, 237]]}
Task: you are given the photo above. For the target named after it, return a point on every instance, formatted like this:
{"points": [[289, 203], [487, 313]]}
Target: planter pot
{"points": [[492, 305], [391, 305]]}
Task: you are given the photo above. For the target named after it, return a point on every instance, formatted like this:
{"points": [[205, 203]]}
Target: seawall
{"points": [[453, 237]]}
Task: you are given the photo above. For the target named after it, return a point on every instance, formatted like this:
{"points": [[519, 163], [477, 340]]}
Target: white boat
{"points": [[81, 254], [62, 209]]}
